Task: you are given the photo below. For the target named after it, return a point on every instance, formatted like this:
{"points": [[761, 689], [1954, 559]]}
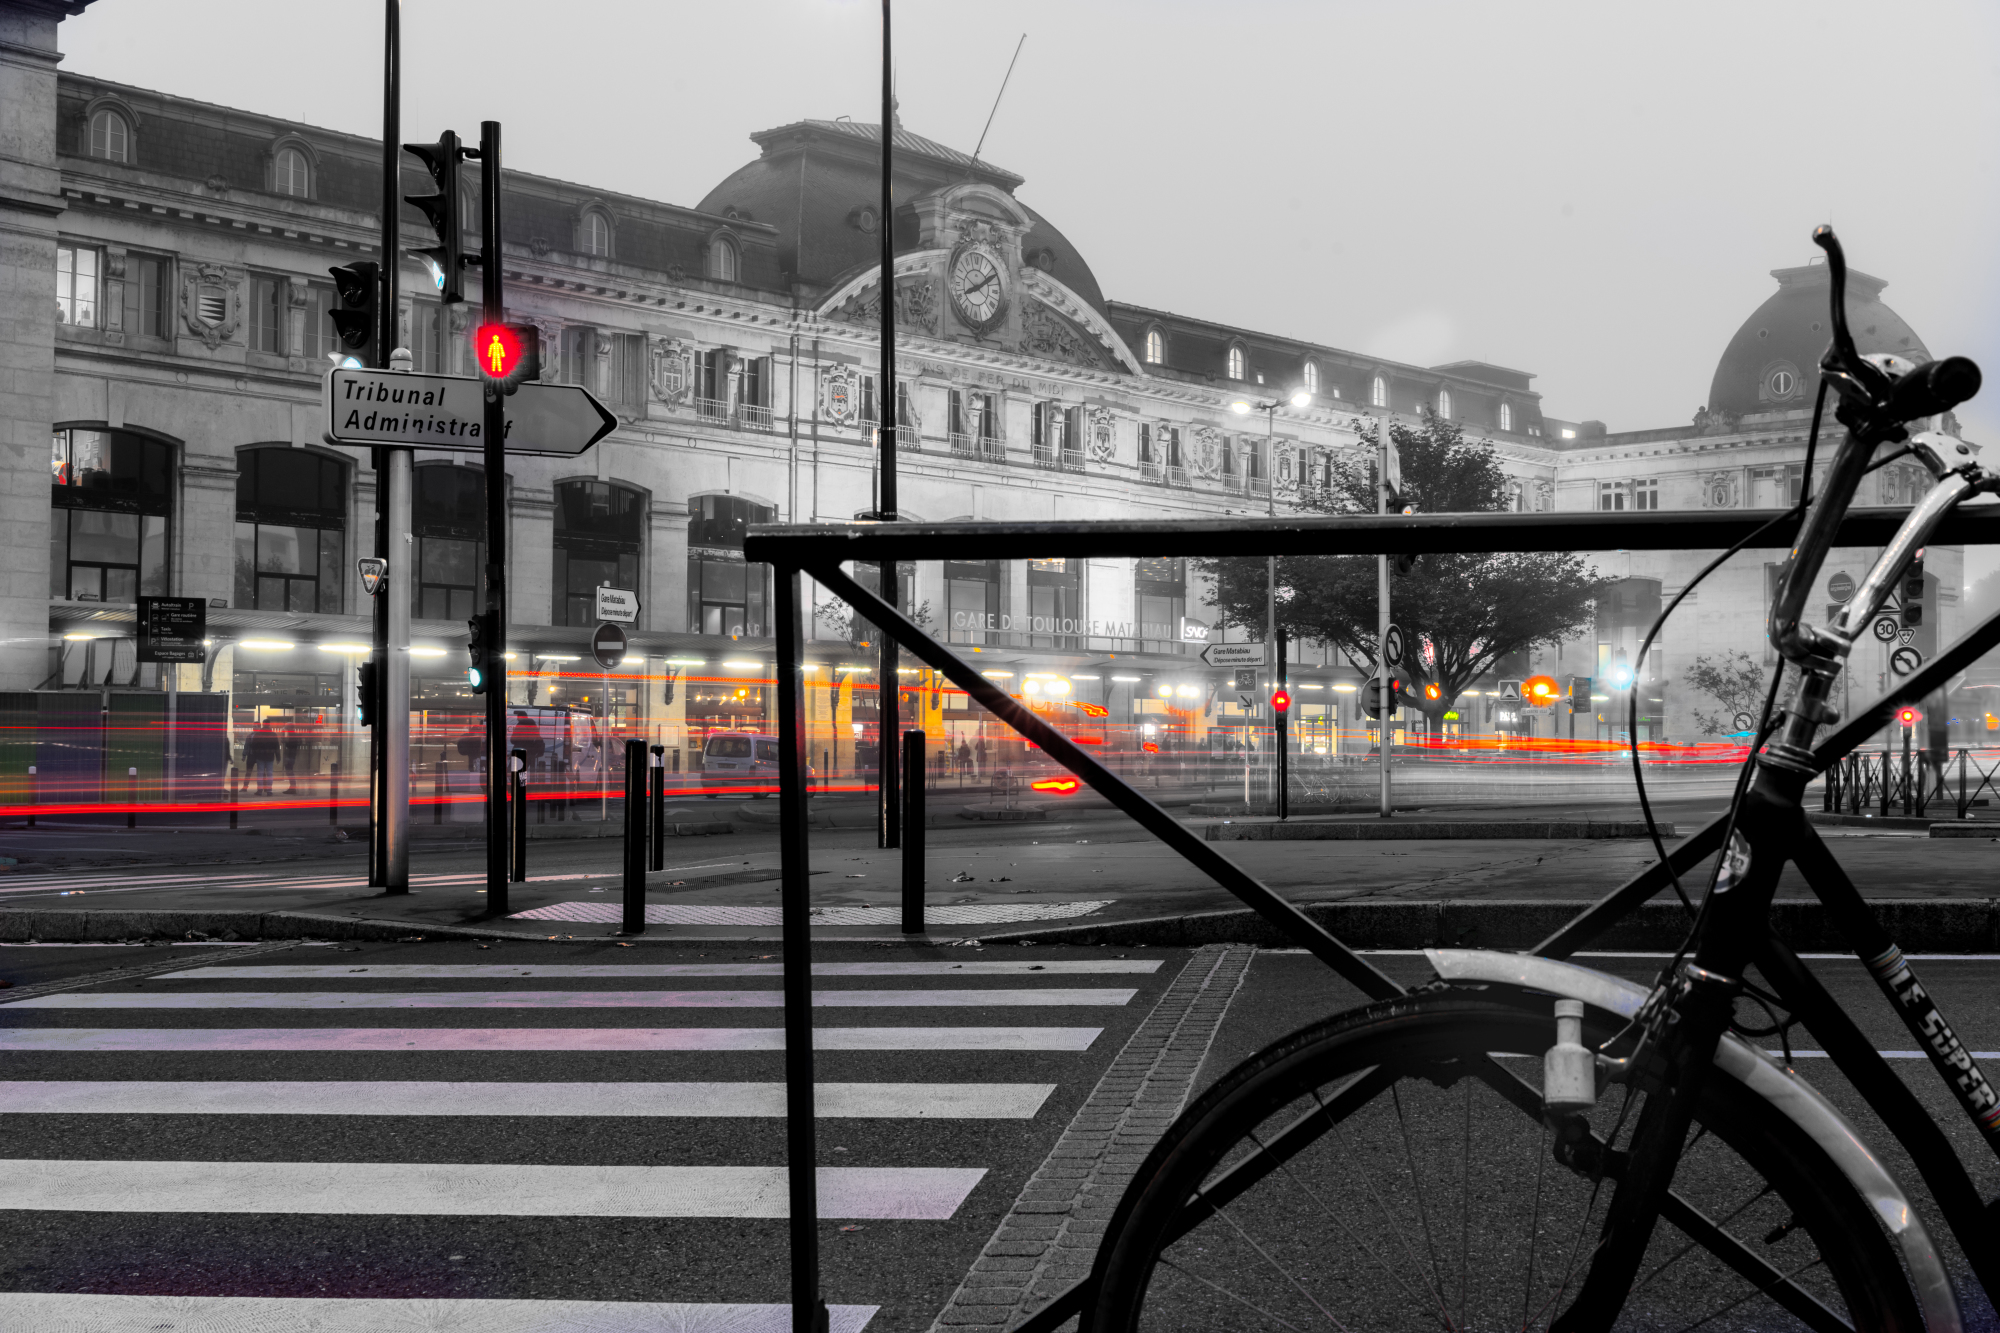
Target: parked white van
{"points": [[737, 760]]}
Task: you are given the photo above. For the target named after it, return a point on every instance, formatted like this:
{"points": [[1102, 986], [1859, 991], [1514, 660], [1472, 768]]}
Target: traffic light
{"points": [[445, 259], [1433, 691], [1913, 594], [364, 692], [1280, 701], [508, 355], [667, 695], [1579, 694], [1907, 716], [1371, 696], [479, 650], [1621, 671], [359, 287], [1541, 691]]}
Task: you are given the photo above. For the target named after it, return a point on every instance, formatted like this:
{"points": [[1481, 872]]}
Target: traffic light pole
{"points": [[494, 309], [396, 481], [888, 728], [389, 746], [1383, 697]]}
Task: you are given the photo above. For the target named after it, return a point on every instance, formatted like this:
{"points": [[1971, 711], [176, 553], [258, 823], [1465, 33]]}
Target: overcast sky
{"points": [[1594, 193]]}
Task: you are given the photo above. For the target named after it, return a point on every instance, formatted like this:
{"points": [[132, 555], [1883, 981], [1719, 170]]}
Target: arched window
{"points": [[599, 527], [291, 174], [1312, 378], [110, 136], [112, 499], [725, 595], [596, 233], [1236, 362], [1506, 416], [1378, 392], [291, 538], [448, 517], [722, 259], [1444, 404], [1156, 348]]}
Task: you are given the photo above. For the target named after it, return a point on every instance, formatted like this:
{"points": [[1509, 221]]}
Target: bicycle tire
{"points": [[1170, 1261]]}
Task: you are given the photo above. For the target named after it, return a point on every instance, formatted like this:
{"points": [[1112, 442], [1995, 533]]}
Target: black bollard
{"points": [[658, 775], [333, 794], [234, 795], [913, 833], [635, 837], [517, 762]]}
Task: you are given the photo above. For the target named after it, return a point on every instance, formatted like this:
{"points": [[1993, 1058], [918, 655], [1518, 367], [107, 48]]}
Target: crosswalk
{"points": [[603, 1174]]}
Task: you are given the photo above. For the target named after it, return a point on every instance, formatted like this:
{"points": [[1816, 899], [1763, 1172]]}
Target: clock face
{"points": [[976, 292]]}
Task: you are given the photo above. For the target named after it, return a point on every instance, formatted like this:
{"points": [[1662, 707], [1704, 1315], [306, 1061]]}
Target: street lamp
{"points": [[1243, 408]]}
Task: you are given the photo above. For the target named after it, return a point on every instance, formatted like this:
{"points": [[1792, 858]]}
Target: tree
{"points": [[1460, 614], [1736, 681]]}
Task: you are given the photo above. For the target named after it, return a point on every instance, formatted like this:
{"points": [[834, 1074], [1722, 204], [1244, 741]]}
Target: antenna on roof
{"points": [[997, 96]]}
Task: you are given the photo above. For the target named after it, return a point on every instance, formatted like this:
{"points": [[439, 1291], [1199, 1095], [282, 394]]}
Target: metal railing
{"points": [[756, 416], [1177, 476], [1231, 482], [962, 445], [1912, 783], [1045, 457], [1072, 460], [1150, 469], [820, 551], [1257, 485], [712, 409]]}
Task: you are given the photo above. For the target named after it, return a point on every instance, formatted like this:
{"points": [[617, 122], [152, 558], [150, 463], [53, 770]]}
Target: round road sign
{"points": [[1841, 586], [607, 645], [1886, 627], [1744, 721], [1393, 645], [1905, 660]]}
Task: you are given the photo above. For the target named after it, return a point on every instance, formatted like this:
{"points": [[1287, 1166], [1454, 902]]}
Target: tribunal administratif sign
{"points": [[448, 412]]}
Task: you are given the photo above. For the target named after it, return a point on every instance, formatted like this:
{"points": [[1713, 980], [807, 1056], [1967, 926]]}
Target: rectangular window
{"points": [[1611, 495], [267, 315], [320, 340], [77, 267], [147, 299], [625, 369], [430, 323], [986, 418], [1646, 493]]}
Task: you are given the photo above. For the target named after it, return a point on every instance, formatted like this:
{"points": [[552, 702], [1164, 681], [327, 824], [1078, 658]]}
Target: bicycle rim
{"points": [[1403, 1179]]}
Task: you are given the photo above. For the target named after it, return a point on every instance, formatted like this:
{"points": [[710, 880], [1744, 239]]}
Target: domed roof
{"points": [[819, 182], [1772, 364]]}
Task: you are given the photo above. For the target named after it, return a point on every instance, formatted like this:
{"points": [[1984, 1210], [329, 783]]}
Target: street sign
{"points": [[1193, 631], [1233, 654], [620, 606], [608, 646], [1393, 642], [1886, 628], [1744, 721], [448, 411], [1905, 660], [171, 629], [374, 571], [1841, 586]]}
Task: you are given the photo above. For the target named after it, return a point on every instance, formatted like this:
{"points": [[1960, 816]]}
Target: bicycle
{"points": [[1447, 1158]]}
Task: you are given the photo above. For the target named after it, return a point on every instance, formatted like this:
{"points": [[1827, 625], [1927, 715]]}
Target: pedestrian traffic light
{"points": [[445, 260], [479, 649], [1908, 717], [355, 319], [364, 692], [1579, 694], [1913, 594], [1280, 701], [508, 355]]}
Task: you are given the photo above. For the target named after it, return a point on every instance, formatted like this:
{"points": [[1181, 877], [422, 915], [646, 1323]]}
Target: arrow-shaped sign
{"points": [[449, 412], [1233, 654]]}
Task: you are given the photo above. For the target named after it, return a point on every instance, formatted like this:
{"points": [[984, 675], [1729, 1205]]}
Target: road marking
{"points": [[481, 971], [475, 1189], [573, 999], [887, 1101], [282, 1314], [542, 1039], [1886, 1055], [702, 914]]}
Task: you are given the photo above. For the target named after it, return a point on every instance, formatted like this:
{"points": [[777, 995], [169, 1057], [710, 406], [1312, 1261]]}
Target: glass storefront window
{"points": [[291, 540], [111, 500], [448, 518], [597, 541], [725, 595]]}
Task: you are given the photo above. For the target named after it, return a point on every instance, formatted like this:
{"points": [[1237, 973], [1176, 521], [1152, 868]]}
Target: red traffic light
{"points": [[1908, 717], [1280, 700], [1431, 691], [497, 351], [1541, 690]]}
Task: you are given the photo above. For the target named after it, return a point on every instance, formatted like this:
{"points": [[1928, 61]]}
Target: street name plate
{"points": [[620, 606], [448, 412], [171, 629], [1233, 654]]}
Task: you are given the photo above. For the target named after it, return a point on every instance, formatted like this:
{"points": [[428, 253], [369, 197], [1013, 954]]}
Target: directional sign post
{"points": [[372, 407], [608, 646], [1233, 654], [619, 606], [171, 629]]}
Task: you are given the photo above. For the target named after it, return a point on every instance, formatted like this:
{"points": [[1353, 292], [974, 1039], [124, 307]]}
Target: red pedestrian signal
{"points": [[507, 354], [1908, 717], [1280, 701]]}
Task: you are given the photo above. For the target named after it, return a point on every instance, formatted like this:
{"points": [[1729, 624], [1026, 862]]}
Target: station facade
{"points": [[166, 294]]}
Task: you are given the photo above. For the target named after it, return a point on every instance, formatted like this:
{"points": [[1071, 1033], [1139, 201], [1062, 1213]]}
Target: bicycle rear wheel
{"points": [[1388, 1169]]}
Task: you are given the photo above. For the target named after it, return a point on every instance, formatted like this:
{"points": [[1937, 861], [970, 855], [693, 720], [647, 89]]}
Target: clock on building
{"points": [[978, 292]]}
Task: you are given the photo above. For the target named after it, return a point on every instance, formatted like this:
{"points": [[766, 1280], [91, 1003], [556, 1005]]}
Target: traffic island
{"points": [[1389, 830]]}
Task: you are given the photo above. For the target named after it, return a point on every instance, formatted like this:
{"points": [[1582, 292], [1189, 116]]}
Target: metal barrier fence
{"points": [[820, 551], [1914, 783]]}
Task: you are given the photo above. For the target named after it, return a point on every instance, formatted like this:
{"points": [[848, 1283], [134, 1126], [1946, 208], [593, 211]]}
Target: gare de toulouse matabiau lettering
{"points": [[1190, 631]]}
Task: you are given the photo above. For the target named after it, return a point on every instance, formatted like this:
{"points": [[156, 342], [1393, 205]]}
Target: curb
{"points": [[1434, 829]]}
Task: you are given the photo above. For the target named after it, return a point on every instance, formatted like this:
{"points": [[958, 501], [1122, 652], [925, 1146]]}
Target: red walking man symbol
{"points": [[496, 355]]}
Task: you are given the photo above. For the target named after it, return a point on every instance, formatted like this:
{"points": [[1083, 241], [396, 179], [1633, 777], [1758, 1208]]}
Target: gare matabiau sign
{"points": [[369, 407]]}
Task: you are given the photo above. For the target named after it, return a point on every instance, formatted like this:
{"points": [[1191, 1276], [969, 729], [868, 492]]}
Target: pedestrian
{"points": [[260, 751], [979, 755], [528, 737], [964, 756], [473, 746], [290, 744]]}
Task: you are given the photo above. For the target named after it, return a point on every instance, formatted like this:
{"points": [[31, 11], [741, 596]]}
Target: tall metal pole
{"points": [[385, 343], [493, 309], [394, 673], [1271, 598], [887, 726], [1382, 675]]}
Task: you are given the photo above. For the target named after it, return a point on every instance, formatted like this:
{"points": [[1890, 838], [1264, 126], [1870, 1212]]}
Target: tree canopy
{"points": [[1460, 614]]}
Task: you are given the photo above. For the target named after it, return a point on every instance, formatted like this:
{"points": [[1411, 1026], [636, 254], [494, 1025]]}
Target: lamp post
{"points": [[1298, 399]]}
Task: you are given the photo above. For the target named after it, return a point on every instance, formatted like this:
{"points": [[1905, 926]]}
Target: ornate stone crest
{"points": [[1102, 430], [211, 303], [1286, 467], [1045, 333], [840, 396], [1208, 447], [673, 370], [1718, 490]]}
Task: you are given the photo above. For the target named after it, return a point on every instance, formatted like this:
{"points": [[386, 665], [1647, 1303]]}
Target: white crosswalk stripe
{"points": [[481, 971], [578, 999], [61, 1312], [541, 1039]]}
